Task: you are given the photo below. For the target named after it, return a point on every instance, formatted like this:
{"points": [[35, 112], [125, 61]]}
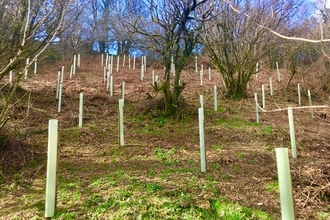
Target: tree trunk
{"points": [[102, 46]]}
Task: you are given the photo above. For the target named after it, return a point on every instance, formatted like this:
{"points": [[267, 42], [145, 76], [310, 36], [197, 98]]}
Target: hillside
{"points": [[156, 175]]}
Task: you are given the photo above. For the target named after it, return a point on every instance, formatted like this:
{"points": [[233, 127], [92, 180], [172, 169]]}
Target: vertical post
{"points": [[52, 157], [271, 86], [142, 65], [202, 139], [256, 106], [129, 61], [201, 77], [106, 59], [263, 96], [124, 60], [62, 74], [58, 84], [123, 92], [202, 69], [26, 70], [121, 122], [134, 62], [78, 62], [285, 185], [156, 79], [201, 100], [278, 73], [10, 77], [153, 77], [209, 73], [111, 85], [299, 96], [310, 103], [35, 67], [102, 57], [292, 133], [215, 99], [74, 64], [107, 80], [81, 111], [196, 67], [142, 72], [60, 98]]}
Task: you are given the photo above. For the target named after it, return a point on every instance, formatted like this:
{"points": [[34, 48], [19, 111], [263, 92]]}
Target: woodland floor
{"points": [[157, 173]]}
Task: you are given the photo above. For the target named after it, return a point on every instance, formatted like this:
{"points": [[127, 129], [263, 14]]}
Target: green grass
{"points": [[233, 211], [272, 187], [221, 109], [267, 130], [163, 154], [323, 215], [220, 147], [153, 187], [240, 155]]}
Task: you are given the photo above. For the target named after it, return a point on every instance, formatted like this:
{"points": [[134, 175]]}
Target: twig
{"points": [[37, 171], [2, 175], [274, 32], [307, 197]]}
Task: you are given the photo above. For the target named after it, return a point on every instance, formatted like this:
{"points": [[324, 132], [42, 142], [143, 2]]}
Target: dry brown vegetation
{"points": [[241, 163]]}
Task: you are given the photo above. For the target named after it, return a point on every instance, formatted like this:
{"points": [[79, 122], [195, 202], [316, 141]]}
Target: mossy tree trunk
{"points": [[235, 43], [177, 34]]}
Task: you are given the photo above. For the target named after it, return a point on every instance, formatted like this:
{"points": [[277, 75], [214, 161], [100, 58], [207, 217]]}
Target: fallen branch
{"points": [[297, 107]]}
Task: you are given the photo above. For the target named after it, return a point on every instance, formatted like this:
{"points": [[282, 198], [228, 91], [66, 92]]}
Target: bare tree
{"points": [[172, 32], [235, 44], [27, 29], [109, 20]]}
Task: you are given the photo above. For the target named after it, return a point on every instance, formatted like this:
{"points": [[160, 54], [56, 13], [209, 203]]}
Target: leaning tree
{"points": [[26, 30]]}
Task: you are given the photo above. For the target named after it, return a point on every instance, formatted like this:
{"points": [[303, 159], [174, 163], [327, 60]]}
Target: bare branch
{"points": [[274, 32]]}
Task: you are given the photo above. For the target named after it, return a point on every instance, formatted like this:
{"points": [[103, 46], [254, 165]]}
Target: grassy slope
{"points": [[157, 174]]}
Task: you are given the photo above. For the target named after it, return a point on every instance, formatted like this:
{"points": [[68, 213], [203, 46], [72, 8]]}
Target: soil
{"points": [[240, 158]]}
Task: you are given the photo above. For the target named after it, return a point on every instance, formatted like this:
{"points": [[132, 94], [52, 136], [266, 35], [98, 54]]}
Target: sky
{"points": [[326, 2]]}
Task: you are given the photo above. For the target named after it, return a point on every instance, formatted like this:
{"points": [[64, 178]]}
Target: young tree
{"points": [[26, 30], [173, 31]]}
